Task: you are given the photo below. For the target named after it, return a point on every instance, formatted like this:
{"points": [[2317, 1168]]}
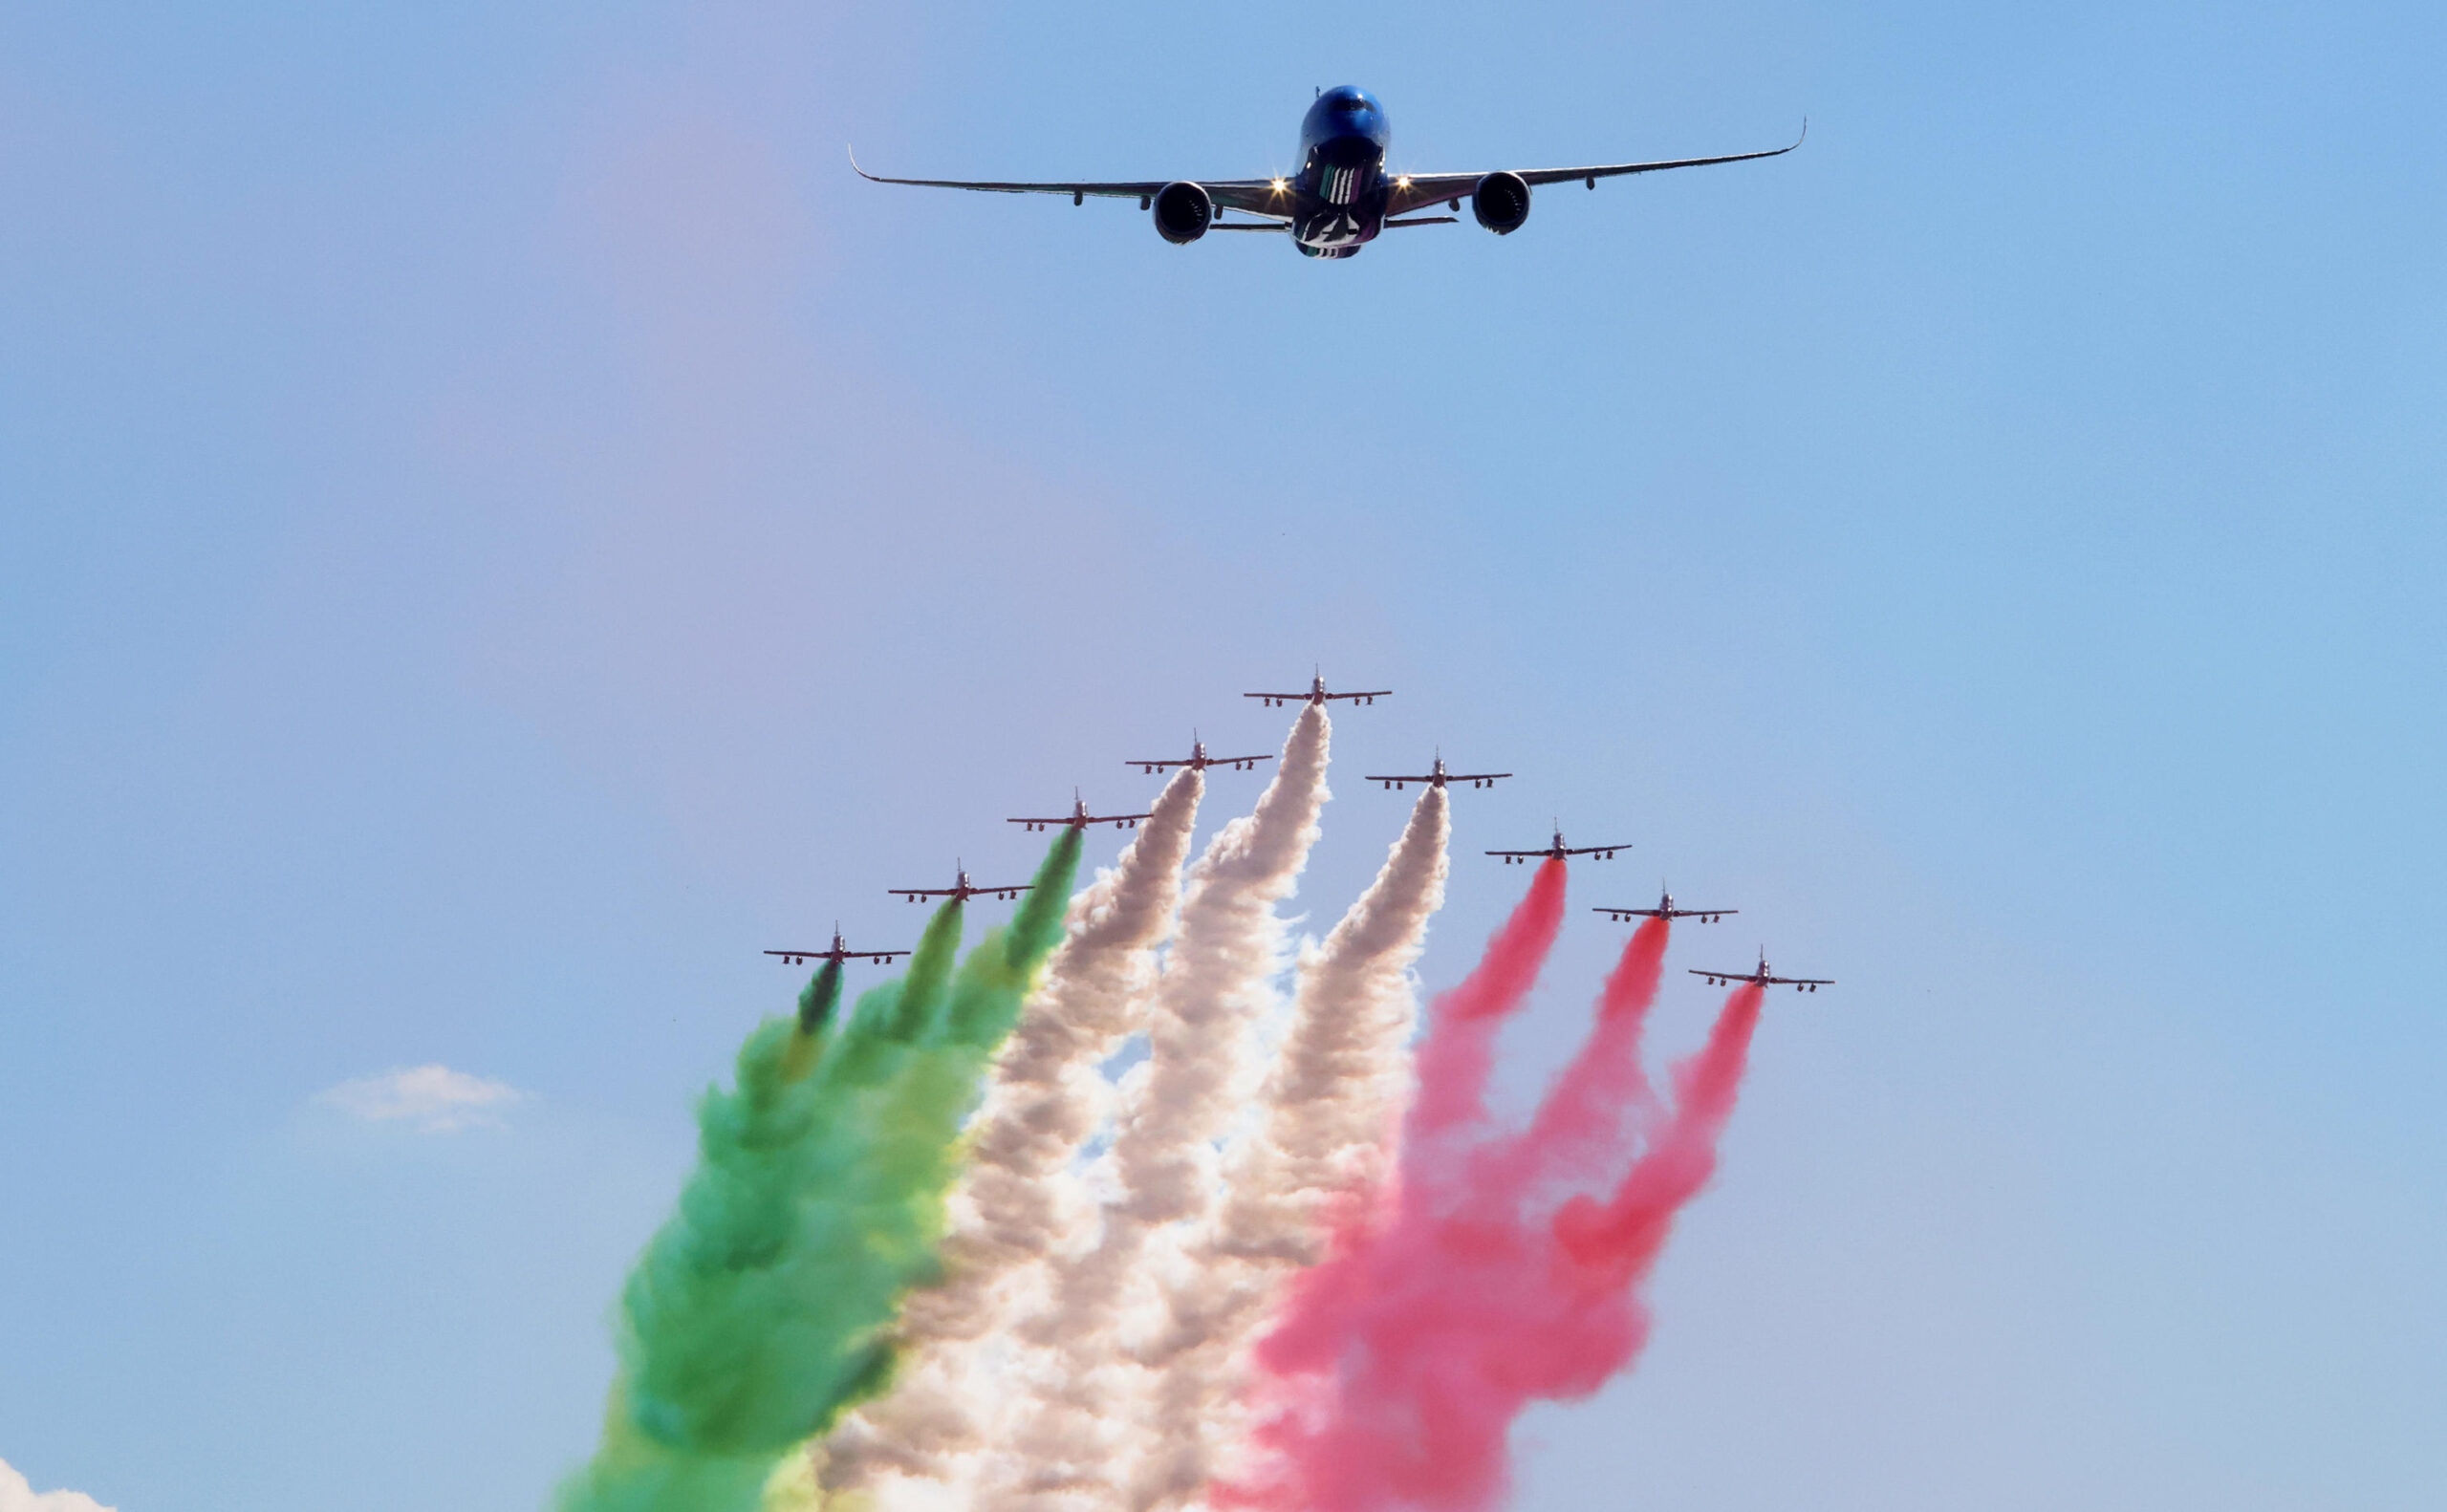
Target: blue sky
{"points": [[497, 526]]}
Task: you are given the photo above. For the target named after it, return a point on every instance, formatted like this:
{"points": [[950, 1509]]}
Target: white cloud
{"points": [[17, 1495], [435, 1099]]}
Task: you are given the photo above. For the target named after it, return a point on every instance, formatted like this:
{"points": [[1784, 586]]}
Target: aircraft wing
{"points": [[1618, 914], [1607, 851], [1211, 761], [1331, 698], [1117, 818], [1253, 196], [1414, 192], [913, 893], [1450, 778], [1764, 982]]}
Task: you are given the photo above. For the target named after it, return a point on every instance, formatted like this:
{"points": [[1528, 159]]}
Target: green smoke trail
{"points": [[759, 1312]]}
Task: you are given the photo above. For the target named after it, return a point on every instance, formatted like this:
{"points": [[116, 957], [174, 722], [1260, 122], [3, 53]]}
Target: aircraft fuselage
{"points": [[1341, 192]]}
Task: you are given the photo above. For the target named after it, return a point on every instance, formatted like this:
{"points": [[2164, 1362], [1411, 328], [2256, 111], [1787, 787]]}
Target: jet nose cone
{"points": [[1345, 107]]}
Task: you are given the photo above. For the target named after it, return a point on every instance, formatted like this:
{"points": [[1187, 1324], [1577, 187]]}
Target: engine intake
{"points": [[1183, 211], [1501, 201]]}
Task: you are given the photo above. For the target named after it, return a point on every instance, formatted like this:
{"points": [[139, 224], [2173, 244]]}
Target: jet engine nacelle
{"points": [[1501, 201], [1182, 212]]}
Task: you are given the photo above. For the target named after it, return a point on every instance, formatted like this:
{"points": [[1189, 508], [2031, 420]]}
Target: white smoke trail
{"points": [[1011, 1209], [1068, 1437], [1331, 1101]]}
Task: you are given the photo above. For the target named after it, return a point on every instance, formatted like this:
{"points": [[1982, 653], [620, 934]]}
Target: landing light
{"points": [[1277, 186], [1402, 182]]}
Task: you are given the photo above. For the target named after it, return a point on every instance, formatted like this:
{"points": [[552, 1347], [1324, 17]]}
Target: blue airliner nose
{"points": [[1343, 112]]}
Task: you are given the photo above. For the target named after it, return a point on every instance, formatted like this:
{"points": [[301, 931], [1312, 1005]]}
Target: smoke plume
{"points": [[1081, 1390], [1015, 1206], [1331, 1102], [756, 1315], [1400, 1365]]}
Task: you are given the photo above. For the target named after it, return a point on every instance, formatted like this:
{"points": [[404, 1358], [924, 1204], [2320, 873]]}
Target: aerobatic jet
{"points": [[961, 891], [1317, 694], [1198, 761], [1665, 909], [1079, 818], [1760, 977], [838, 954], [1341, 195], [1439, 777], [1558, 851]]}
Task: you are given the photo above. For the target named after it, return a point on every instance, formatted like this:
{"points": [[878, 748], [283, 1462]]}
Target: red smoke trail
{"points": [[1402, 1361], [1587, 1116], [1453, 1064], [1622, 1236], [1455, 1058]]}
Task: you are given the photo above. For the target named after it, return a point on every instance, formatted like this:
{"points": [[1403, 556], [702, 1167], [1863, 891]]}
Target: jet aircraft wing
{"points": [[799, 956], [1624, 916], [1252, 196], [1243, 763], [1728, 979], [1450, 777], [1303, 698], [1606, 851], [1412, 191], [1005, 894]]}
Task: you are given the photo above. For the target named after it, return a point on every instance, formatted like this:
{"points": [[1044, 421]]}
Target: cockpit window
{"points": [[1351, 104]]}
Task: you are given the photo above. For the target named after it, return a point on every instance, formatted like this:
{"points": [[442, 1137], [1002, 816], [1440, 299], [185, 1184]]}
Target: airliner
{"points": [[1340, 197]]}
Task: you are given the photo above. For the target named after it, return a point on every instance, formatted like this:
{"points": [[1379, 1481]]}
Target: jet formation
{"points": [[1342, 196], [1438, 775]]}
